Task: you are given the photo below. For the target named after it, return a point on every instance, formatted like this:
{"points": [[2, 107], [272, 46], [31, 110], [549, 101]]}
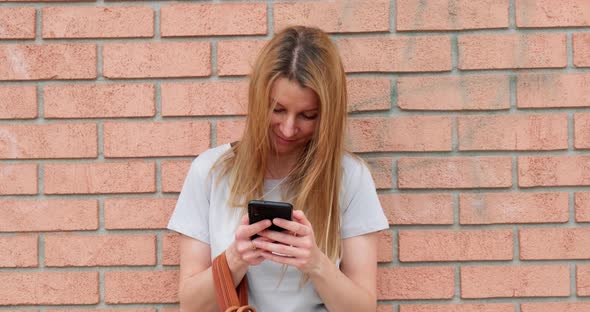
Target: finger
{"points": [[280, 259], [295, 227], [245, 220], [254, 257], [247, 231], [282, 249], [281, 237], [300, 216]]}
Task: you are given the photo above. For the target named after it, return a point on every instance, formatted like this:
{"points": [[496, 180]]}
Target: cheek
{"points": [[309, 129], [274, 121]]}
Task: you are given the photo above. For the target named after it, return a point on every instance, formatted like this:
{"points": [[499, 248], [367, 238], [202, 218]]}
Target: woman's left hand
{"points": [[296, 246]]}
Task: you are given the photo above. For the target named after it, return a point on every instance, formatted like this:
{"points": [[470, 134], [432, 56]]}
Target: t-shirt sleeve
{"points": [[191, 214], [362, 213]]}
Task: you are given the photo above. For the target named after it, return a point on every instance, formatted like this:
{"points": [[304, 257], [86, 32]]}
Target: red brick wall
{"points": [[473, 115]]}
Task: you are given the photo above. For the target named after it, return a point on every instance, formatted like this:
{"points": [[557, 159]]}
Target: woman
{"points": [[291, 150]]}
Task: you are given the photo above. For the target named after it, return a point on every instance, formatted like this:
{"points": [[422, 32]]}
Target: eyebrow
{"points": [[305, 111]]}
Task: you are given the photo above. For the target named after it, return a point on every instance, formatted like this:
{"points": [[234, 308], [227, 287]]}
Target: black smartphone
{"points": [[263, 209]]}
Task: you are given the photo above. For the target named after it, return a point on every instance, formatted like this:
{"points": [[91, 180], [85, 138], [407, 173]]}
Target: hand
{"points": [[243, 249], [297, 245]]}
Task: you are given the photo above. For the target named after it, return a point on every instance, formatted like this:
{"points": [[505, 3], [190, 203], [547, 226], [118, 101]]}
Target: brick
{"points": [[396, 54], [229, 130], [205, 98], [56, 140], [47, 61], [18, 102], [511, 208], [152, 139], [515, 281], [453, 245], [102, 310], [582, 206], [581, 47], [413, 134], [368, 94], [236, 57], [141, 287], [156, 59], [555, 306], [582, 130], [334, 16], [99, 100], [98, 22], [99, 250], [46, 0], [457, 93], [451, 15], [553, 90], [467, 307], [17, 23], [553, 171], [231, 98], [18, 251], [173, 174], [48, 288], [384, 308], [381, 170], [403, 283], [181, 20], [547, 50], [138, 213], [48, 215], [554, 243], [548, 13], [454, 172], [583, 280], [385, 248], [18, 179], [171, 249], [513, 132], [418, 208], [98, 178]]}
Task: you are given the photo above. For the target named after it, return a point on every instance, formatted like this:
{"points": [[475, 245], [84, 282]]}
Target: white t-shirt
{"points": [[202, 213]]}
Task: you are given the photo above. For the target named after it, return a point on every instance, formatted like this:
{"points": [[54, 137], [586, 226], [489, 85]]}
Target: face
{"points": [[294, 118]]}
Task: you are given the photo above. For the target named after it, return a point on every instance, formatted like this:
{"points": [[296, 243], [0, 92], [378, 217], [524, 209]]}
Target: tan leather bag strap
{"points": [[225, 293]]}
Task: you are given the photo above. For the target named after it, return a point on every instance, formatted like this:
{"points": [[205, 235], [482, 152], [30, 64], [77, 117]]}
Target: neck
{"points": [[280, 166]]}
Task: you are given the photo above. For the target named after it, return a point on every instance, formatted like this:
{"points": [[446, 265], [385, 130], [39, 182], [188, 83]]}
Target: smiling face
{"points": [[294, 118]]}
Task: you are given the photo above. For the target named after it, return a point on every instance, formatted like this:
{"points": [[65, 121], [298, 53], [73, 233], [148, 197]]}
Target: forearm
{"points": [[340, 293], [197, 293]]}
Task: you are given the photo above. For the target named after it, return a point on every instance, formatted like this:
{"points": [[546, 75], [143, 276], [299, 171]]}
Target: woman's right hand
{"points": [[243, 249]]}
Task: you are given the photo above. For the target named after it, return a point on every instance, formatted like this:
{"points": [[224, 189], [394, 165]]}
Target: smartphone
{"points": [[262, 209]]}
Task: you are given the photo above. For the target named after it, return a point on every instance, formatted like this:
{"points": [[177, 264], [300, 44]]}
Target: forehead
{"points": [[293, 96]]}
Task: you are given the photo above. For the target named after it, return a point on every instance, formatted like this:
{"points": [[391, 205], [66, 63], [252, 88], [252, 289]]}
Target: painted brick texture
{"points": [[472, 116]]}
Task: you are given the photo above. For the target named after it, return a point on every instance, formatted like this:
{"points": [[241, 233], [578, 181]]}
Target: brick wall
{"points": [[473, 116]]}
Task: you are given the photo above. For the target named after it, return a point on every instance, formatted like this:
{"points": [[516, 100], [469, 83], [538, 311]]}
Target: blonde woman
{"points": [[292, 151]]}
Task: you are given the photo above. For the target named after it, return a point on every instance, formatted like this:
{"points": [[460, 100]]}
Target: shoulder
{"points": [[205, 161], [353, 167]]}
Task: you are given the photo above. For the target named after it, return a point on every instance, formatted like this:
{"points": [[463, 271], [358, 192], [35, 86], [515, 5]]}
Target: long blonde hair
{"points": [[307, 56]]}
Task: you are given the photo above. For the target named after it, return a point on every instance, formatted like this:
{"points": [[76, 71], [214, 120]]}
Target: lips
{"points": [[283, 141]]}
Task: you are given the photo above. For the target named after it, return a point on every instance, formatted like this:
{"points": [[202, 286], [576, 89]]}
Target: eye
{"points": [[310, 116], [278, 110]]}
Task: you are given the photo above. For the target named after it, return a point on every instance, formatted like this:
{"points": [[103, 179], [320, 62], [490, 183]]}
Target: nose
{"points": [[288, 127]]}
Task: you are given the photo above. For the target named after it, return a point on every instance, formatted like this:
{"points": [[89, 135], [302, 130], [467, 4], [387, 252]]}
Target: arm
{"points": [[352, 288], [196, 289]]}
